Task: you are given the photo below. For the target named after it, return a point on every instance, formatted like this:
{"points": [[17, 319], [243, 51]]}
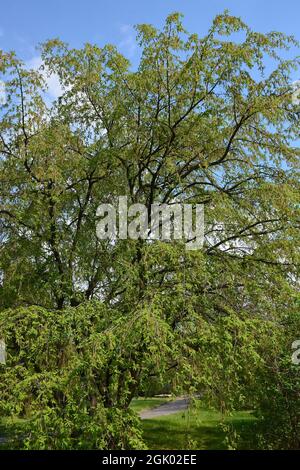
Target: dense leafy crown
{"points": [[200, 120]]}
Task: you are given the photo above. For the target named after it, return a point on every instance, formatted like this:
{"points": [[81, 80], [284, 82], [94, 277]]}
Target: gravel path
{"points": [[170, 408]]}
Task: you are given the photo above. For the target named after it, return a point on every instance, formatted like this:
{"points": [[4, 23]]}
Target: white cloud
{"points": [[296, 92], [128, 43], [2, 93], [125, 28], [54, 87]]}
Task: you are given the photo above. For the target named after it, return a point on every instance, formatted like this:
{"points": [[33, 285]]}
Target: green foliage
{"points": [[277, 390], [199, 121], [61, 371], [72, 376]]}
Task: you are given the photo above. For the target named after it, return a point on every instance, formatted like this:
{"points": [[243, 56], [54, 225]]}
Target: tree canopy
{"points": [[205, 120]]}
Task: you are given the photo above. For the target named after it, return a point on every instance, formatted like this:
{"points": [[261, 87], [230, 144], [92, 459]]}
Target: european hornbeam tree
{"points": [[206, 120]]}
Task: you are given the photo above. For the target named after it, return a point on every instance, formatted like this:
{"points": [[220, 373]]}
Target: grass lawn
{"points": [[7, 425], [195, 429], [139, 404], [198, 429]]}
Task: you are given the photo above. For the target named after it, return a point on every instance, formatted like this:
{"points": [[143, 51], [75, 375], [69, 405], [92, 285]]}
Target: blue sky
{"points": [[24, 24]]}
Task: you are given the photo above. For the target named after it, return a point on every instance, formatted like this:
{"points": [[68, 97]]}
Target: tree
{"points": [[201, 120]]}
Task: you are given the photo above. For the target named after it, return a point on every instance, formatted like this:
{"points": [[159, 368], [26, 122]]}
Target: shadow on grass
{"points": [[193, 429], [201, 430], [9, 430]]}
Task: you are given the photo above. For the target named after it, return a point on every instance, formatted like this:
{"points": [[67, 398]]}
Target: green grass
{"points": [[139, 404], [196, 429], [7, 427], [192, 429]]}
